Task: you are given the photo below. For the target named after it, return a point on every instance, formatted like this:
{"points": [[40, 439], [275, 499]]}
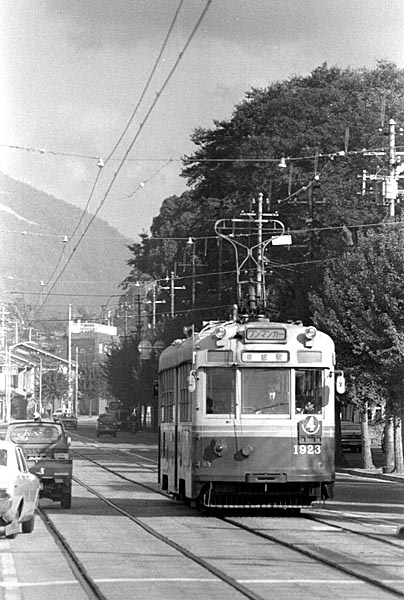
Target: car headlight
{"points": [[5, 493]]}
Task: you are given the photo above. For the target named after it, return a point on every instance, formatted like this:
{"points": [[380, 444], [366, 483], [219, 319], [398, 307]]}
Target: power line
{"points": [[302, 158], [148, 82], [101, 163], [166, 81], [291, 231]]}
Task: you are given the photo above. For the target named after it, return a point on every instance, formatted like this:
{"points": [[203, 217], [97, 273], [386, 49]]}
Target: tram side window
{"points": [[309, 390], [184, 396], [167, 396], [220, 391], [265, 391]]}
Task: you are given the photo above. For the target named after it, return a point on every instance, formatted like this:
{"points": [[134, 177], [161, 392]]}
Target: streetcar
{"points": [[246, 406], [247, 415]]}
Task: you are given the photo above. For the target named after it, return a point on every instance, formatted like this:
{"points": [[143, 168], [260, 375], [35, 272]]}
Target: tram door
{"points": [[173, 451]]}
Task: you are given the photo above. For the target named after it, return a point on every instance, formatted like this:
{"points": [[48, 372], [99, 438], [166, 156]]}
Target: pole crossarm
{"points": [[241, 233]]}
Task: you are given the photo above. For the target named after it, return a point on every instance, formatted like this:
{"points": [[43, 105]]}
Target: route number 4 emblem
{"points": [[310, 425]]}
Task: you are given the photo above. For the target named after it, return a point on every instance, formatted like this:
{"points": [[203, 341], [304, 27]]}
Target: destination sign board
{"points": [[265, 357], [269, 334]]}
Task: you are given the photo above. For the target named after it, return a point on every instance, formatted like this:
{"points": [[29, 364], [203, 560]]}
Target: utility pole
{"points": [[69, 362], [390, 191], [76, 394], [191, 247], [191, 242], [391, 184], [153, 303], [250, 254], [171, 288]]}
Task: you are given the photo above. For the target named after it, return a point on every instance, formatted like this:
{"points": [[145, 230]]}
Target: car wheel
{"points": [[28, 526], [66, 500]]}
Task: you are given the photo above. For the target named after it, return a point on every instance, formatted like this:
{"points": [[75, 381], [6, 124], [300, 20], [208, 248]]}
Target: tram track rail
{"points": [[312, 554], [321, 559], [351, 519], [239, 587], [77, 568]]}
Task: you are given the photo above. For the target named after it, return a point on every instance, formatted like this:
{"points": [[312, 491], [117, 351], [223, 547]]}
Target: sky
{"points": [[72, 73]]}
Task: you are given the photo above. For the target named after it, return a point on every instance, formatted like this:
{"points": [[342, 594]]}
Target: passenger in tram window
{"points": [[306, 406], [209, 405], [309, 407]]}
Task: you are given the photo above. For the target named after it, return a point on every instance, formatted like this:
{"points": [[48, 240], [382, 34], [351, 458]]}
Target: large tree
{"points": [[361, 305], [320, 125]]}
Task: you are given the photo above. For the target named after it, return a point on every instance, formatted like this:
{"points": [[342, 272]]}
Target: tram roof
{"points": [[180, 350]]}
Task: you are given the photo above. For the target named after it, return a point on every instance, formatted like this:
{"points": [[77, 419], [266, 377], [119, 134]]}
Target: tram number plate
{"points": [[307, 449]]}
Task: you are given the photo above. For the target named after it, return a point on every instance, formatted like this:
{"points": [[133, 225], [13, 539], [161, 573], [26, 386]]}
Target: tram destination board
{"points": [[265, 357], [268, 334]]}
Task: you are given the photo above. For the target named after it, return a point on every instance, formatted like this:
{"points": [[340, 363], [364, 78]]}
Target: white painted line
{"points": [[31, 584], [12, 586], [158, 580], [372, 504], [9, 577]]}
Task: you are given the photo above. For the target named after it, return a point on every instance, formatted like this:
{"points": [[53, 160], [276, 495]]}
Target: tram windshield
{"points": [[265, 391], [220, 391]]}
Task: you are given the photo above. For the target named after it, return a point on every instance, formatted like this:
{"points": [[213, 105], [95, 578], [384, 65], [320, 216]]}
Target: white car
{"points": [[19, 491]]}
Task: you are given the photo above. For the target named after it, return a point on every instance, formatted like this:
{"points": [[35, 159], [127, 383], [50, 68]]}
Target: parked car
{"points": [[107, 423], [351, 436], [19, 491], [69, 420], [58, 414], [121, 415], [46, 449]]}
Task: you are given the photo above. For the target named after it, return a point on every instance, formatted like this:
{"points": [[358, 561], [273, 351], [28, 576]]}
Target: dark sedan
{"points": [[69, 421]]}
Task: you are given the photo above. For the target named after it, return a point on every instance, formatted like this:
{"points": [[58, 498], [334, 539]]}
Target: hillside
{"points": [[36, 242]]}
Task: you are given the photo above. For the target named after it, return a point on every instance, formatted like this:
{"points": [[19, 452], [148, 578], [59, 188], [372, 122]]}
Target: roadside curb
{"points": [[374, 473]]}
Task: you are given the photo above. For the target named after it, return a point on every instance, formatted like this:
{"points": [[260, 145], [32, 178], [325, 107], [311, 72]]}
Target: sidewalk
{"points": [[353, 467]]}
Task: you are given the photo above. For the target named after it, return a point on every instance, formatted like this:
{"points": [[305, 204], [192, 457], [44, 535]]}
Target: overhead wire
{"points": [[215, 237], [302, 158], [165, 83], [103, 163]]}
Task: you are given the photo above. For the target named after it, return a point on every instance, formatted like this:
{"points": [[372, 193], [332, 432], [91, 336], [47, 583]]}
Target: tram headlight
{"points": [[220, 333], [310, 332]]}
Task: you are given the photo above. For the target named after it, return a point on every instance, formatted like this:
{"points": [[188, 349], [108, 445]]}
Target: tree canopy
{"points": [[320, 124]]}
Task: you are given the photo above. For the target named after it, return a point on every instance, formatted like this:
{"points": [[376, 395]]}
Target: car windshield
{"points": [[107, 418], [35, 433]]}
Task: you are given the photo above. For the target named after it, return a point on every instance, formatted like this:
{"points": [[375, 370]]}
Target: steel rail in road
{"points": [[221, 575], [333, 514], [321, 559], [87, 583], [291, 546]]}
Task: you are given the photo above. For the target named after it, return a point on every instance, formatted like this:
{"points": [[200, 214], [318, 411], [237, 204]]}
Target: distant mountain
{"points": [[36, 243]]}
